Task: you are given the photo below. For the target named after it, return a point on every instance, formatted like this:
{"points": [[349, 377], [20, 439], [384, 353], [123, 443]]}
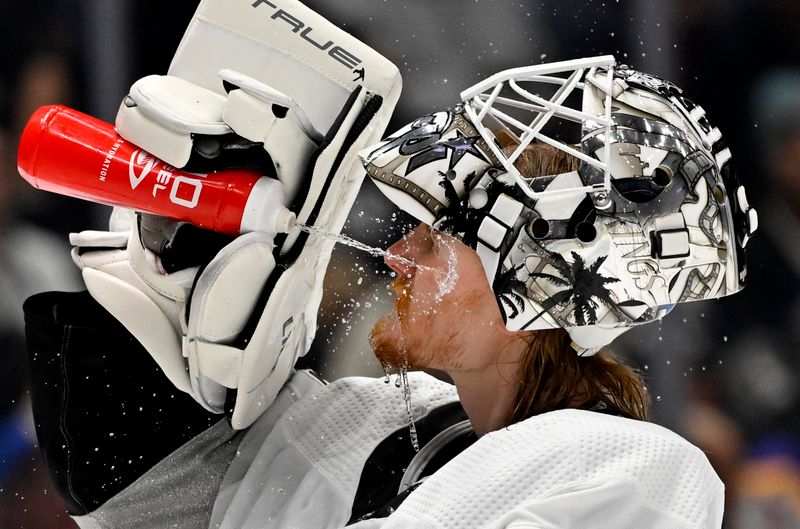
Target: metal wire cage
{"points": [[490, 112]]}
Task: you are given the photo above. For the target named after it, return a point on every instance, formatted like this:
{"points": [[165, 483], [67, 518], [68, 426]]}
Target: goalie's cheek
{"points": [[463, 293], [438, 277]]}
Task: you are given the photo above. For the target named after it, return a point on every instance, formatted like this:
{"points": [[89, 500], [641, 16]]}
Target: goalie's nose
{"points": [[398, 259]]}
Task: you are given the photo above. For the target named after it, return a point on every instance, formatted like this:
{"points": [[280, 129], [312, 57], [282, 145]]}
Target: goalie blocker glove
{"points": [[242, 90]]}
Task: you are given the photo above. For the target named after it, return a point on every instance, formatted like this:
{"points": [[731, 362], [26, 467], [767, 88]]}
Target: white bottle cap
{"points": [[286, 221], [265, 209]]}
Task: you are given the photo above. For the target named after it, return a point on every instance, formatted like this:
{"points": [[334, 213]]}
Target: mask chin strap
{"points": [[587, 340]]}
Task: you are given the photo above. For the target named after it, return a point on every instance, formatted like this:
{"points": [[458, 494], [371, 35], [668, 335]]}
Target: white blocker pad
{"points": [[330, 83], [287, 46], [292, 51], [288, 323], [163, 113]]}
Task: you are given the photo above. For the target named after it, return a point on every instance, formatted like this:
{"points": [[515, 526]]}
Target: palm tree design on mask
{"points": [[461, 218], [458, 217], [507, 285], [583, 285]]}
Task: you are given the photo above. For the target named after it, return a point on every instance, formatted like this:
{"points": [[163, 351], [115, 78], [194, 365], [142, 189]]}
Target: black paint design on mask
{"points": [[583, 285], [506, 285]]}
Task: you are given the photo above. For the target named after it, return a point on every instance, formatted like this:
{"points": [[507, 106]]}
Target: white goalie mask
{"points": [[653, 216]]}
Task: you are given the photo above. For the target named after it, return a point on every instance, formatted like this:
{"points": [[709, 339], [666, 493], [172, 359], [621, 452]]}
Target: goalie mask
{"points": [[653, 214]]}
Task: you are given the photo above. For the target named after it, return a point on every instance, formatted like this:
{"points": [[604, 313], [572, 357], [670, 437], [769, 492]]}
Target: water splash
{"points": [[448, 282], [446, 286], [344, 239]]}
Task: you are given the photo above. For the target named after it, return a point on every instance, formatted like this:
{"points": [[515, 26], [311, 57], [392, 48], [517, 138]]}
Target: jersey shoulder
{"points": [[670, 473], [578, 464]]}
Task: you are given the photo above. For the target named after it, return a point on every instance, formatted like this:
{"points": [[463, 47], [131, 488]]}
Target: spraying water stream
{"points": [[446, 285], [344, 239]]}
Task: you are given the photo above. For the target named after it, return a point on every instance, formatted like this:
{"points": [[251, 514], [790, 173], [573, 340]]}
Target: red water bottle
{"points": [[70, 153]]}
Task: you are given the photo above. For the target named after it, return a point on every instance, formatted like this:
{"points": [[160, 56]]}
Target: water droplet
{"points": [[448, 282]]}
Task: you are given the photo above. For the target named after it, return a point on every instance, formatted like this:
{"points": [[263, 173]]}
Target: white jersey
{"points": [[301, 469], [300, 464], [568, 468]]}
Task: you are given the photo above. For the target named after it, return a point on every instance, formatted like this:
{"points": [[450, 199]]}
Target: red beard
{"points": [[396, 346], [386, 339]]}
